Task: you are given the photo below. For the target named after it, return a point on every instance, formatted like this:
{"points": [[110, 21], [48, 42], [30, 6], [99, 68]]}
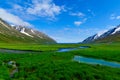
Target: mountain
{"points": [[112, 35], [21, 34]]}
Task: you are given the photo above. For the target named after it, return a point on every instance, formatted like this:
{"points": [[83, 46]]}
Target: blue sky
{"points": [[66, 21]]}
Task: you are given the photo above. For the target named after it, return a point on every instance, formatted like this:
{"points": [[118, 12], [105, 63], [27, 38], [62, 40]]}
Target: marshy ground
{"points": [[48, 64]]}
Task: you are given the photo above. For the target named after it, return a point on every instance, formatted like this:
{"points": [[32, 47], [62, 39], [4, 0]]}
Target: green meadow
{"points": [[51, 65]]}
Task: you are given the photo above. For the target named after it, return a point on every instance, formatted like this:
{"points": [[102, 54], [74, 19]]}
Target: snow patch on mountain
{"points": [[103, 34], [98, 34], [32, 31], [12, 25], [23, 31], [116, 30], [40, 36]]}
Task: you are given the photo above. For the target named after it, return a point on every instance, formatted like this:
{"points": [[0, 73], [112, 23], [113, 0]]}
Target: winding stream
{"points": [[28, 51], [93, 61], [80, 59], [71, 49]]}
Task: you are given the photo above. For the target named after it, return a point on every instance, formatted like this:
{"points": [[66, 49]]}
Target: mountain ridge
{"points": [[112, 35], [22, 34]]}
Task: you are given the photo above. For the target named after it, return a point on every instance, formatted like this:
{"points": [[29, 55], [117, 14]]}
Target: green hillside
{"points": [[9, 34]]}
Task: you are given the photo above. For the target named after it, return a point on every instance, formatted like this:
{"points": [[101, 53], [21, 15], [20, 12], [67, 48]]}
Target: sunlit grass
{"points": [[51, 65]]}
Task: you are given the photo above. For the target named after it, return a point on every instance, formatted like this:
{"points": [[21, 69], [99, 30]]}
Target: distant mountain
{"points": [[21, 34], [112, 35]]}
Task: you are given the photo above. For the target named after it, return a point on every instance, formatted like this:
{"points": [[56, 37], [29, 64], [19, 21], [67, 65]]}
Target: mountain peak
{"points": [[117, 29], [109, 35], [22, 34]]}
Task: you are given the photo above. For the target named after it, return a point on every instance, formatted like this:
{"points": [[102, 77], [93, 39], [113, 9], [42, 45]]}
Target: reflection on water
{"points": [[83, 47], [66, 49], [70, 49], [96, 61]]}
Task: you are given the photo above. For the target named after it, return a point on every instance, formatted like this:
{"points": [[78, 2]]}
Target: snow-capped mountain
{"points": [[12, 33], [111, 35], [30, 32]]}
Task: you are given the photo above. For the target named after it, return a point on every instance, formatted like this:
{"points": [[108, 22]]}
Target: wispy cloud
{"points": [[78, 23], [44, 8], [78, 14], [13, 19], [18, 7], [114, 17], [40, 8], [118, 17], [91, 12]]}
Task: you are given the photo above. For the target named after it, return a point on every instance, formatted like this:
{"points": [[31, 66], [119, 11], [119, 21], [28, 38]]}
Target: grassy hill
{"points": [[9, 34]]}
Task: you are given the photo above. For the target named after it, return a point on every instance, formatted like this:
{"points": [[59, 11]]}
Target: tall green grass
{"points": [[60, 66]]}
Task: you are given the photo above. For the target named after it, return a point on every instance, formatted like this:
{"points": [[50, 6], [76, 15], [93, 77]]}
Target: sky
{"points": [[66, 21]]}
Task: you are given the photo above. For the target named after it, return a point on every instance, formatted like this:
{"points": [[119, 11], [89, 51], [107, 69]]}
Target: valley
{"points": [[28, 54], [49, 64], [59, 39]]}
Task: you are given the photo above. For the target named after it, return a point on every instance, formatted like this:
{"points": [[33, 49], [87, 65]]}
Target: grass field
{"points": [[37, 47], [51, 65]]}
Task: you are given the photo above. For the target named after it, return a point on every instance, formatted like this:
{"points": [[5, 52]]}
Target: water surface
{"points": [[66, 49], [16, 51], [82, 59], [71, 49]]}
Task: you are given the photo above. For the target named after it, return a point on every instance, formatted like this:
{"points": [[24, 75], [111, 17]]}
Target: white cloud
{"points": [[78, 23], [17, 7], [85, 19], [34, 9], [13, 19], [118, 17], [91, 12], [114, 17], [44, 8], [67, 29], [79, 14]]}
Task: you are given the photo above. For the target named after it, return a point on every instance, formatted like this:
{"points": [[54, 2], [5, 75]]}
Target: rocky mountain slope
{"points": [[112, 35], [21, 34]]}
